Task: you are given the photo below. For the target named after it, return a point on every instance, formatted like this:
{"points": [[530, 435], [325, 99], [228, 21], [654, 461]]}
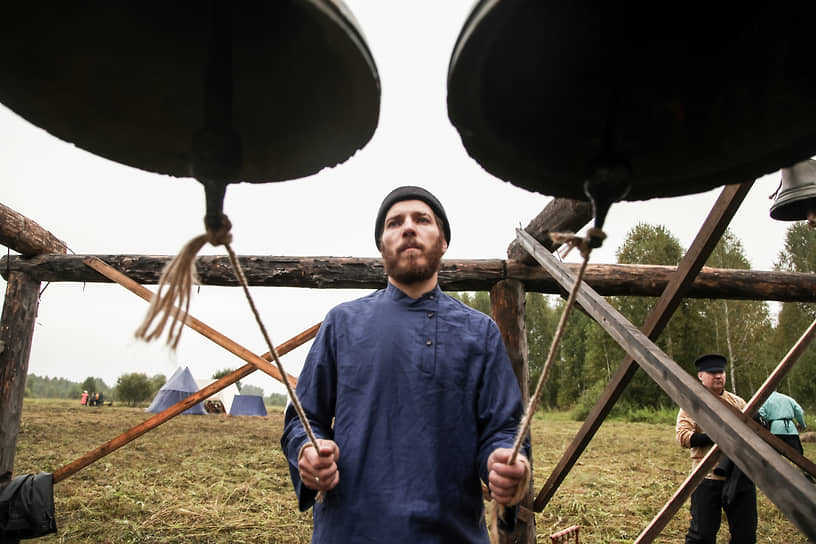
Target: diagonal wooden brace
{"points": [[710, 460], [172, 411], [792, 493], [261, 363]]}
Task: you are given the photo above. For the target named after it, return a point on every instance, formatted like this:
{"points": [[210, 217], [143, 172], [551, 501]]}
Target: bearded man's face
{"points": [[412, 242]]}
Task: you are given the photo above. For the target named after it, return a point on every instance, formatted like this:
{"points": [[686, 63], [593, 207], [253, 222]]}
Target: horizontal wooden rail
{"points": [[460, 275]]}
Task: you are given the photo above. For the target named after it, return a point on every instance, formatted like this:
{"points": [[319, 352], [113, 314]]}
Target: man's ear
{"points": [[444, 246]]}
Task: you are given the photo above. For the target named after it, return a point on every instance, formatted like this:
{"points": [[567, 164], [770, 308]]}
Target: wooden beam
{"points": [[678, 287], [508, 308], [559, 215], [709, 461], [461, 275], [26, 237], [785, 486], [16, 331]]}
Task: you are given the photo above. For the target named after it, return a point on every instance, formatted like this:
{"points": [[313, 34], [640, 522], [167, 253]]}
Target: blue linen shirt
{"points": [[782, 411], [420, 392]]}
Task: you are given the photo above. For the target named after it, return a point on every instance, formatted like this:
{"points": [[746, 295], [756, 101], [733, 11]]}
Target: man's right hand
{"points": [[318, 469]]}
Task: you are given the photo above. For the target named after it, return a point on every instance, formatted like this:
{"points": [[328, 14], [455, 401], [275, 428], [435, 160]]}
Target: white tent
{"points": [[225, 395]]}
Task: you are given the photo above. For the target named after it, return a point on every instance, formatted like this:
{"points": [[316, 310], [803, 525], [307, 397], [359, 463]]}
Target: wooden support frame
{"points": [[707, 463], [785, 486], [715, 224], [135, 432], [507, 280], [20, 308]]}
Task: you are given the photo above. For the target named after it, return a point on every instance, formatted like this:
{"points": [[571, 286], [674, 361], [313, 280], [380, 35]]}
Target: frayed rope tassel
{"points": [[171, 303]]}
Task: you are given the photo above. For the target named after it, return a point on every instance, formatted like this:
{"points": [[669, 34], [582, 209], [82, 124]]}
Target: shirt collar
{"points": [[395, 294]]}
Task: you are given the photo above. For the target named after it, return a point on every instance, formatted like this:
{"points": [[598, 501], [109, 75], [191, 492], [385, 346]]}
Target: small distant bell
{"points": [[796, 198]]}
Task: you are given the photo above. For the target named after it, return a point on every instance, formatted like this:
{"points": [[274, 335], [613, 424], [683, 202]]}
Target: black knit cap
{"points": [[712, 362], [410, 192]]}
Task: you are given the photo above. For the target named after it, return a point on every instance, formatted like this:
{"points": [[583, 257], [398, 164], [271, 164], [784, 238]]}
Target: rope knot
{"points": [[583, 244], [222, 235]]}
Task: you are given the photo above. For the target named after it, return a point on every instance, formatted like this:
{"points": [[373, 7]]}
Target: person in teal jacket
{"points": [[782, 414]]}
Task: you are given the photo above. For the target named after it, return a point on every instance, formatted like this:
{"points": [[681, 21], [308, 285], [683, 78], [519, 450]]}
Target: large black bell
{"points": [[260, 91], [796, 198], [635, 99]]}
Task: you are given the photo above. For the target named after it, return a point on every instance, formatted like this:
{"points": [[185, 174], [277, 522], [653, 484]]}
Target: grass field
{"points": [[224, 479]]}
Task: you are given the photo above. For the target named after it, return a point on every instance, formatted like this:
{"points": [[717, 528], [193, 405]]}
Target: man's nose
{"points": [[408, 227]]}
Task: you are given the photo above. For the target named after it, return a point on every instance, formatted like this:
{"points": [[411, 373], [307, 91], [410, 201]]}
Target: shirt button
{"points": [[428, 342], [430, 315], [432, 297]]}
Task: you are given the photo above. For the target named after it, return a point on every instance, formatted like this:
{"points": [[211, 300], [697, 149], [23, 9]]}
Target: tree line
{"points": [[130, 389], [748, 333]]}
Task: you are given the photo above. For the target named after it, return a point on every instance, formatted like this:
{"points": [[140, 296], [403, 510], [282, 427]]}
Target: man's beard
{"points": [[413, 271]]}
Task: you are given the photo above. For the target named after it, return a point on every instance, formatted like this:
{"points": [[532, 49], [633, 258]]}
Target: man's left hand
{"points": [[508, 483]]}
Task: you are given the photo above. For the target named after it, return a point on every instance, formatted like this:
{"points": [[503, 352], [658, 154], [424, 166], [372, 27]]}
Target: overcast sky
{"points": [[100, 207]]}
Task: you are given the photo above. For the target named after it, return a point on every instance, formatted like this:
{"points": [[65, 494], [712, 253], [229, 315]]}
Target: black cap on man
{"points": [[711, 362], [410, 192]]}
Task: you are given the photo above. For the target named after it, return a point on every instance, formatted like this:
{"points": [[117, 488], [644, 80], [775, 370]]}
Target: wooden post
{"points": [[17, 327], [16, 331], [508, 309]]}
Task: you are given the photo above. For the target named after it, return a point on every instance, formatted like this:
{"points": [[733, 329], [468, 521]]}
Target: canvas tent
{"points": [[180, 386], [247, 405], [225, 395]]}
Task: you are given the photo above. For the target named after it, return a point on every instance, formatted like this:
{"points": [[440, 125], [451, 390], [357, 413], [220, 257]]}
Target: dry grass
{"points": [[224, 479]]}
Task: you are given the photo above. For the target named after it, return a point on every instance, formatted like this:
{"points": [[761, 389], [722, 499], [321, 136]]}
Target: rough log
{"points": [[560, 215], [16, 330], [17, 326], [508, 309], [26, 237], [464, 275]]}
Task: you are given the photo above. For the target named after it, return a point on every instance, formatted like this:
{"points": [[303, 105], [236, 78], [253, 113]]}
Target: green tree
{"points": [[89, 384], [649, 245], [51, 388], [480, 300], [741, 328], [567, 381], [541, 321], [277, 399], [798, 255], [252, 390], [133, 388], [221, 373], [156, 383]]}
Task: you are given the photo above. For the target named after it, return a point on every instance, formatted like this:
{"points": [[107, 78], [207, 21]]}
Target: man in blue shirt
{"points": [[412, 398], [783, 414]]}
